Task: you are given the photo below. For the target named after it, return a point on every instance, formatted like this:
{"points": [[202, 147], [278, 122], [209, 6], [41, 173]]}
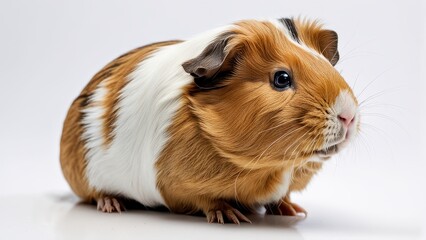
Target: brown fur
{"points": [[322, 40], [303, 175], [234, 142], [72, 152]]}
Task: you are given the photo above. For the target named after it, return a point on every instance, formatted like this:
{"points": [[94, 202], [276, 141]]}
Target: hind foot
{"points": [[109, 205]]}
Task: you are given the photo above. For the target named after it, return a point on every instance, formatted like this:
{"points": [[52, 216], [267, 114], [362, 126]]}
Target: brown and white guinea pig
{"points": [[242, 115]]}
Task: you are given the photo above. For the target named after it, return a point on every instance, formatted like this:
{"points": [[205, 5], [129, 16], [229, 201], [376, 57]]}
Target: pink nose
{"points": [[346, 118]]}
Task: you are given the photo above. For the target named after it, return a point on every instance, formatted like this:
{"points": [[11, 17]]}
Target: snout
{"points": [[341, 125]]}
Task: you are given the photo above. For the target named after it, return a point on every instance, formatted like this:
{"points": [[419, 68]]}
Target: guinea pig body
{"points": [[242, 114]]}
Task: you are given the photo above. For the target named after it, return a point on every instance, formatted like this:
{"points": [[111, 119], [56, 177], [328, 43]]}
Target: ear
{"points": [[327, 40], [216, 58]]}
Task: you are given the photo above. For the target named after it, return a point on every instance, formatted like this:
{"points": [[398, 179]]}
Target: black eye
{"points": [[282, 80]]}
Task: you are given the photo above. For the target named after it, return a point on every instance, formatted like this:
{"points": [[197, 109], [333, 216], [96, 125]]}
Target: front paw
{"points": [[224, 212], [285, 208]]}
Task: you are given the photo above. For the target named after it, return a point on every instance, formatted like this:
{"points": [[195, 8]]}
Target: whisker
{"points": [[356, 80], [385, 136], [294, 159], [380, 104], [300, 137], [256, 159], [355, 48], [281, 124], [310, 148], [378, 94], [359, 54], [363, 140], [386, 117], [374, 80]]}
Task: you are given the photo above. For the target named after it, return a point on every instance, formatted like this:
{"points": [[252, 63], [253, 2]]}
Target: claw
{"points": [[286, 208], [101, 204], [116, 205], [211, 217], [231, 214], [299, 209], [109, 205], [219, 217], [241, 216]]}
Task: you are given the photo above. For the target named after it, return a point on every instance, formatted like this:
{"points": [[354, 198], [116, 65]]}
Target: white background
{"points": [[50, 49]]}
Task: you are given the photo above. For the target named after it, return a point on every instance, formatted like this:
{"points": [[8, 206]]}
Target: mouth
{"points": [[328, 151], [331, 150]]}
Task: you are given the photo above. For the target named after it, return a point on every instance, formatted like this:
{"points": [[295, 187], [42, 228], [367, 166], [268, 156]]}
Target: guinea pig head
{"points": [[266, 94]]}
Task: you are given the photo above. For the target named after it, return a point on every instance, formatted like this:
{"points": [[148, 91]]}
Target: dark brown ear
{"points": [[328, 45], [208, 67]]}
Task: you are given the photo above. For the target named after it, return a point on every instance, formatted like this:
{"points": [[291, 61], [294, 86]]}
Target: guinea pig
{"points": [[235, 118]]}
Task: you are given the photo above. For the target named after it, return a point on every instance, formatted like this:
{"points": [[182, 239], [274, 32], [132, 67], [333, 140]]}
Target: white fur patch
{"points": [[344, 103], [315, 159], [282, 188], [93, 123], [148, 103]]}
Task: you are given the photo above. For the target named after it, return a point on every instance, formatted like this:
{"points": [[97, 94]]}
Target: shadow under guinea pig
{"points": [[83, 220]]}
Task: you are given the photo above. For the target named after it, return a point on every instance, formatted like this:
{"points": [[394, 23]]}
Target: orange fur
{"points": [[303, 175], [233, 143]]}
